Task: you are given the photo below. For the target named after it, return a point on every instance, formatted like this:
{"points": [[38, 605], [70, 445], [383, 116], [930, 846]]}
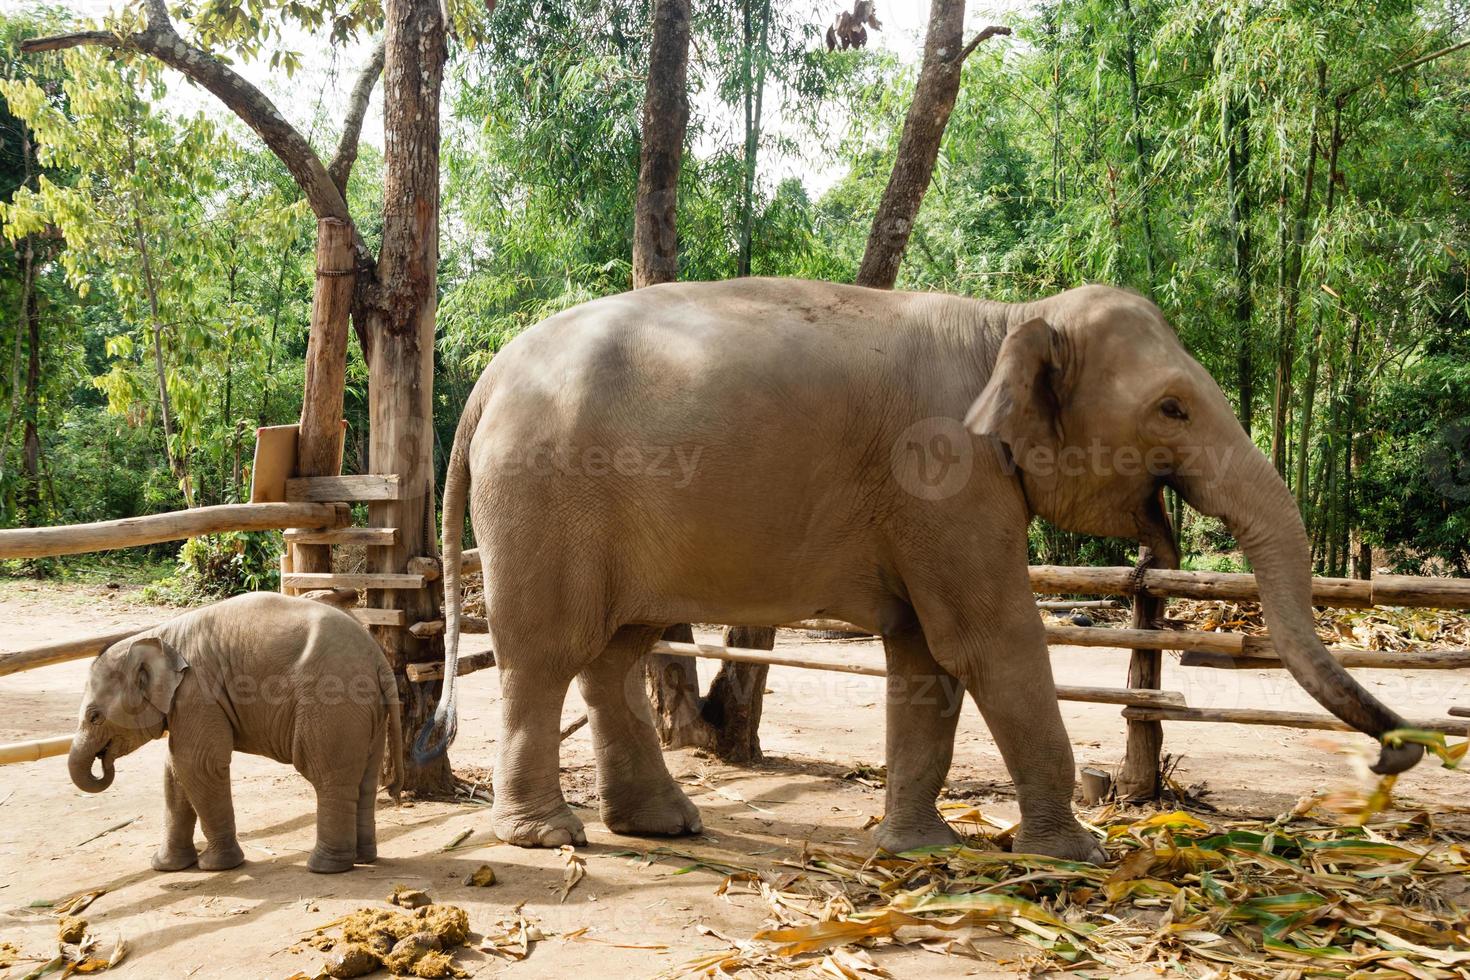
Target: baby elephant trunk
{"points": [[85, 751]]}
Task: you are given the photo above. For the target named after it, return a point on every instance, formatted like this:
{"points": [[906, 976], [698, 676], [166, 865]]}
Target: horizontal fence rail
{"points": [[132, 532]]}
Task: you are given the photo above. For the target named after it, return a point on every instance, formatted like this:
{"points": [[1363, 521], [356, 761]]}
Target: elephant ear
{"points": [[155, 669], [1019, 405]]}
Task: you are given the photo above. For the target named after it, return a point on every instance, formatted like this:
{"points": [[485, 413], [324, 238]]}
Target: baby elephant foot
{"points": [[222, 857], [174, 858], [559, 827], [662, 813], [367, 853], [1068, 843], [897, 834]]}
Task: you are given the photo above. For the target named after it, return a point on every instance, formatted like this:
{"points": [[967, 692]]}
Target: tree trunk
{"points": [[673, 694], [733, 708], [1237, 190], [318, 450], [665, 118], [401, 372], [1138, 777], [1139, 148], [31, 440], [178, 462], [918, 148], [755, 90]]}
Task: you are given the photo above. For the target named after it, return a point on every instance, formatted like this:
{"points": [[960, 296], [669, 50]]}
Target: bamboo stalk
{"points": [[130, 532], [1283, 719], [35, 749]]}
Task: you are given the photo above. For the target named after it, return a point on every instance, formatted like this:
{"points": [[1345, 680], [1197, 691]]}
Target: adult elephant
{"points": [[762, 451]]}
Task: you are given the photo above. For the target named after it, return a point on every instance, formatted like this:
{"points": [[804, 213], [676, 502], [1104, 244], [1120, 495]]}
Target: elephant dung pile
{"points": [[418, 943]]}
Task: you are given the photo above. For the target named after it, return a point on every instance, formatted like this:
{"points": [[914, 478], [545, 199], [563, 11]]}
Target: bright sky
{"points": [[312, 98]]}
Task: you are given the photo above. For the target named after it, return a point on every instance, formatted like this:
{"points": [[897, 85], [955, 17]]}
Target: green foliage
{"points": [[218, 566]]}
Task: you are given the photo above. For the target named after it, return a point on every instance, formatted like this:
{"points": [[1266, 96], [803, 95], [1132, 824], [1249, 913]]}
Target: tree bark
{"points": [[31, 439], [1237, 190], [1138, 777], [665, 119], [319, 446], [178, 463], [918, 147], [401, 373], [673, 694], [736, 696]]}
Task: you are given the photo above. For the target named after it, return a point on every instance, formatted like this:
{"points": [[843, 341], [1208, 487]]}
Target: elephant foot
{"points": [[665, 812], [221, 858], [323, 861], [555, 829], [174, 858], [367, 853], [1069, 844], [897, 835]]}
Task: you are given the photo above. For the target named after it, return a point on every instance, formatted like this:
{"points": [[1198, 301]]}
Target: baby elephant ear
{"points": [[1019, 404], [156, 669]]}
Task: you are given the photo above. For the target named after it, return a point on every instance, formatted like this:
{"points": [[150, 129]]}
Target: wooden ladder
{"points": [[351, 489]]}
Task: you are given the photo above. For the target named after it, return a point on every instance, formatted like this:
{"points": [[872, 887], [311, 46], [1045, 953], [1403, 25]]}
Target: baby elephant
{"points": [[289, 679]]}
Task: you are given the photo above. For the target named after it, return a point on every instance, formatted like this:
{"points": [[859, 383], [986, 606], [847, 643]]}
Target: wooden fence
{"points": [[1144, 704]]}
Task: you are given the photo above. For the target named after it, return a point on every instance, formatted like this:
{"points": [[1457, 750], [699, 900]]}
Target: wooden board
{"points": [[330, 580], [275, 461], [368, 487], [66, 650], [370, 536], [378, 617]]}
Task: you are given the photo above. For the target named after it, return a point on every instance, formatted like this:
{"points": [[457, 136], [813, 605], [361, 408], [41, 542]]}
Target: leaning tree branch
{"points": [[160, 40], [981, 38], [357, 105]]}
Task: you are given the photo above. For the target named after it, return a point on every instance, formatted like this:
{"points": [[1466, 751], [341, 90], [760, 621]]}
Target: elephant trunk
{"points": [[1250, 497], [84, 752]]}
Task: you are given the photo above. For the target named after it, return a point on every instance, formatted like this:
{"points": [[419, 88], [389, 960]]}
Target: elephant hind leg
{"points": [[336, 828], [638, 795], [367, 806], [529, 809]]}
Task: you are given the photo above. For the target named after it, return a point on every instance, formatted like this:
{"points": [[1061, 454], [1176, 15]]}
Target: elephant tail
{"points": [[439, 732], [393, 744]]}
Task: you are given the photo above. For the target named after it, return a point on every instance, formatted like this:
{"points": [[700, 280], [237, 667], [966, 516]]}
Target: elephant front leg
{"points": [[206, 782], [924, 706], [1007, 670], [638, 795], [177, 851], [529, 809]]}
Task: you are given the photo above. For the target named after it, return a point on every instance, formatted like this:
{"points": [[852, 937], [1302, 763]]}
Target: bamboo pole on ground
{"points": [[132, 532]]}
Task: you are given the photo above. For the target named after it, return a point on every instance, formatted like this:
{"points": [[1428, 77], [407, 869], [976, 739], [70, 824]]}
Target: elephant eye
{"points": [[1173, 409], [93, 716]]}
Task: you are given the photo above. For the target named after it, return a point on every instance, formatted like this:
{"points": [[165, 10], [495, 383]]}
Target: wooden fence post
{"points": [[319, 446], [1139, 777]]}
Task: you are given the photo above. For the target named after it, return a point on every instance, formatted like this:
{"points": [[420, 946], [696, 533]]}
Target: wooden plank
{"points": [[1460, 712], [66, 650], [467, 664], [40, 748], [369, 487], [370, 536], [378, 617], [331, 580], [275, 461], [1283, 719], [1365, 659], [130, 532]]}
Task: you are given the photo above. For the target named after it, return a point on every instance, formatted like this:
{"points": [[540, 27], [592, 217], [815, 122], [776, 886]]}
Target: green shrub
{"points": [[218, 566]]}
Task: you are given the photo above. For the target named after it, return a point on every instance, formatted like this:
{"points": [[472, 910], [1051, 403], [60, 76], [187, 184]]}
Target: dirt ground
{"points": [[628, 916]]}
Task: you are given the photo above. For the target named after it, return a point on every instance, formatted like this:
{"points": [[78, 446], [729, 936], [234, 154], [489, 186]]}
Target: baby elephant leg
{"points": [[367, 808], [337, 807], [177, 851], [205, 780]]}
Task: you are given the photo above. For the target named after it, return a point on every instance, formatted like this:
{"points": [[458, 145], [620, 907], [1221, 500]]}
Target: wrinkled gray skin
{"points": [[814, 495], [289, 679]]}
